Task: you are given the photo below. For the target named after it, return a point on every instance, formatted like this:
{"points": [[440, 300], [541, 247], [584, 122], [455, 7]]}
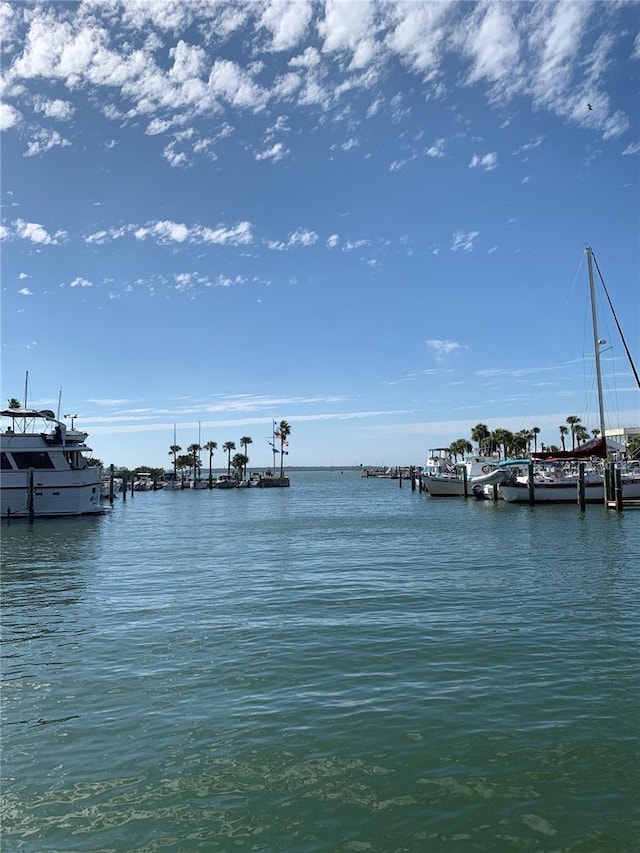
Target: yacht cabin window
{"points": [[32, 459]]}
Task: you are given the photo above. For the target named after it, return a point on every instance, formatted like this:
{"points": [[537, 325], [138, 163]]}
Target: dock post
{"points": [[581, 490], [30, 504], [530, 483], [413, 478], [464, 481], [111, 483], [124, 486], [399, 473], [618, 483], [494, 490]]}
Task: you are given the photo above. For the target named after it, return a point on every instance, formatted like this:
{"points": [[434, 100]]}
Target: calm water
{"points": [[339, 666]]}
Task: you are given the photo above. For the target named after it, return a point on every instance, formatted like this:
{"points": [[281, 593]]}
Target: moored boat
{"points": [[557, 480], [44, 468], [144, 482], [443, 477], [110, 486], [225, 481], [557, 477]]}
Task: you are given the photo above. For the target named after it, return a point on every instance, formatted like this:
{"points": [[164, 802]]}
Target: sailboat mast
{"points": [[273, 443], [596, 339]]}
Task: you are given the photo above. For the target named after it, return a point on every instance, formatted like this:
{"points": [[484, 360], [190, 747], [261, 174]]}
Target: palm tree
{"points": [[14, 403], [502, 437], [573, 421], [283, 430], [460, 446], [174, 450], [536, 433], [480, 434], [563, 431], [521, 441], [581, 434], [245, 441], [239, 462], [228, 446], [194, 450], [211, 446], [183, 461]]}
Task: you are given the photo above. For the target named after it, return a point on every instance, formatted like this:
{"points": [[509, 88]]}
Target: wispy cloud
{"points": [[464, 241], [488, 162], [444, 348]]}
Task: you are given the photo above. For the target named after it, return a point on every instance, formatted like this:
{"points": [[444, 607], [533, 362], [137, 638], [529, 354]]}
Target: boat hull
{"points": [[54, 494], [447, 486], [273, 482], [566, 492]]}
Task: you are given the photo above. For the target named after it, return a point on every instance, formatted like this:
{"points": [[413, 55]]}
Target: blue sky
{"points": [[366, 218]]}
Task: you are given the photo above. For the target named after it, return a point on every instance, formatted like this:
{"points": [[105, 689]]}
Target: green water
{"points": [[344, 665]]}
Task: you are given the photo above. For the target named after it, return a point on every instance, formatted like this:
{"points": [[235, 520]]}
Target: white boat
{"points": [[556, 476], [106, 487], [443, 477], [171, 482], [144, 482], [558, 481], [225, 481], [44, 469], [199, 483]]}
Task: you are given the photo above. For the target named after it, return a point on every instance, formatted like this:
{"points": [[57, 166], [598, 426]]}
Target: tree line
{"points": [[192, 461], [516, 444]]}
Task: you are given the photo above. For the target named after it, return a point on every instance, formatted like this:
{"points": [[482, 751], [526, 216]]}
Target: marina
{"points": [[358, 666]]}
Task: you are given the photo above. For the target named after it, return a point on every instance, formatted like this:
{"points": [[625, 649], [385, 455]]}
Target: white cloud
{"points": [[436, 149], [235, 85], [419, 35], [9, 117], [303, 238], [615, 125], [164, 232], [464, 241], [37, 233], [346, 25], [24, 291], [633, 148], [332, 241], [297, 238], [488, 162], [54, 108], [443, 348], [44, 140], [80, 282], [493, 44], [350, 245], [287, 21], [238, 235], [275, 153]]}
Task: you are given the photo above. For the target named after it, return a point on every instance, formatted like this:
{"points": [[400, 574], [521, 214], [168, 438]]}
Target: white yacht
{"points": [[43, 469]]}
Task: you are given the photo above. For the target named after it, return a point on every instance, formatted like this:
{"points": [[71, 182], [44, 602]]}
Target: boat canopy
{"points": [[47, 414], [596, 447]]}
